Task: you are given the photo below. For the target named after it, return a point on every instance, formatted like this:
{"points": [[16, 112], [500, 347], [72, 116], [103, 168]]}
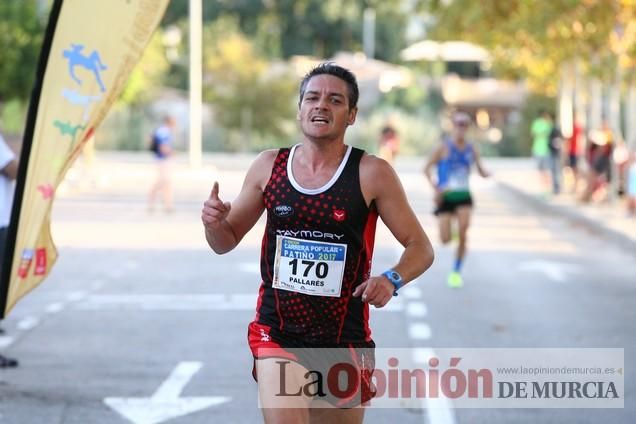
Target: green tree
{"points": [[20, 39], [532, 39], [248, 11], [324, 27], [149, 73], [249, 96], [283, 28], [142, 85]]}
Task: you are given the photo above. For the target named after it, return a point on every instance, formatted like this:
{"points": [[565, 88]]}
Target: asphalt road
{"points": [[138, 314]]}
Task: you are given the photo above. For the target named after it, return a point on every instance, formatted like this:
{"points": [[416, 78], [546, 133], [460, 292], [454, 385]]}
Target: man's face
{"points": [[324, 109], [460, 126]]}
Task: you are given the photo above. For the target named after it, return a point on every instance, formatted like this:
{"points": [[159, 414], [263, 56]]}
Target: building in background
{"points": [[465, 84]]}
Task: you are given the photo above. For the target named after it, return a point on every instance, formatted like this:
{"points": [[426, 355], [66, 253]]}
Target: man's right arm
{"points": [[8, 162], [226, 224], [433, 159]]}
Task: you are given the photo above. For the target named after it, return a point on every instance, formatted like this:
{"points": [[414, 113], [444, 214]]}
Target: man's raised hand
{"points": [[214, 209]]}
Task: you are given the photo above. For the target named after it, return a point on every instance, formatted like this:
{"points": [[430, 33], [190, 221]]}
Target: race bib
{"points": [[458, 179], [311, 267]]}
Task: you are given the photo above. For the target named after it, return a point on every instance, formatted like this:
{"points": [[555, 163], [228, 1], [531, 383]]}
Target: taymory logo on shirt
{"points": [[283, 211], [339, 215]]}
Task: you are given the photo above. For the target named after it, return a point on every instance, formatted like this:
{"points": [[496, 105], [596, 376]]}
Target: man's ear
{"points": [[352, 116]]}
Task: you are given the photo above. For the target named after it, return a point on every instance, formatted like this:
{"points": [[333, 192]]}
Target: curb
{"points": [[612, 235]]}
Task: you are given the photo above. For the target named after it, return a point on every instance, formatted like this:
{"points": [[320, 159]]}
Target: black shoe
{"points": [[8, 362]]}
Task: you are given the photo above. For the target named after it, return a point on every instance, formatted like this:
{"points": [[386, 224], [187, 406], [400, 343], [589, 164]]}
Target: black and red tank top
{"points": [[316, 250]]}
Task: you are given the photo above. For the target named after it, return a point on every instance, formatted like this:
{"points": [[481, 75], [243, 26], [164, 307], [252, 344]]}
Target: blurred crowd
{"points": [[593, 164]]}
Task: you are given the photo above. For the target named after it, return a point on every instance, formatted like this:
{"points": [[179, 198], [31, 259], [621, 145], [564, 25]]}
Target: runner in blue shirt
{"points": [[454, 159]]}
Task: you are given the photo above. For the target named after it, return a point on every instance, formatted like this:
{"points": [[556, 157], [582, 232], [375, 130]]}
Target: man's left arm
{"points": [[480, 167], [396, 213]]}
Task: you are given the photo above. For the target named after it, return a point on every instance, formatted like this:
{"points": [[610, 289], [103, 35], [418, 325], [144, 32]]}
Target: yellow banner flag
{"points": [[89, 50]]}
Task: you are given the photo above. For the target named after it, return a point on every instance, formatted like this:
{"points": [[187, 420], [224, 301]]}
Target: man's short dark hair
{"points": [[387, 129], [330, 68]]}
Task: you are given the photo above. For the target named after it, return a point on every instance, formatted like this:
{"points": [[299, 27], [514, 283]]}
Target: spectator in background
{"points": [[389, 144], [573, 151], [630, 191], [8, 174], [599, 157], [162, 148], [555, 144], [540, 130]]}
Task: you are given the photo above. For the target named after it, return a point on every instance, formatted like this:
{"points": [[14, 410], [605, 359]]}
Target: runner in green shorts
{"points": [[453, 160]]}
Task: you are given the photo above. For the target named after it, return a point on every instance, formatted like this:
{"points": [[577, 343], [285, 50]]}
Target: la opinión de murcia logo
{"points": [[392, 381]]}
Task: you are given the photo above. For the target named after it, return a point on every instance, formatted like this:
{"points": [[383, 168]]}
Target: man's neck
{"points": [[459, 141], [321, 154]]}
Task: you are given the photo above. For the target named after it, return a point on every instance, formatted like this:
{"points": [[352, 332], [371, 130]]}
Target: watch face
{"points": [[395, 276]]}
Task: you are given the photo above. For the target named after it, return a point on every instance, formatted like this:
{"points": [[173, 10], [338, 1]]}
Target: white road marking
{"points": [[438, 410], [420, 331], [54, 308], [5, 341], [394, 305], [27, 323], [555, 271], [170, 302], [76, 296], [186, 302], [411, 292], [250, 267], [166, 403], [416, 309], [421, 355]]}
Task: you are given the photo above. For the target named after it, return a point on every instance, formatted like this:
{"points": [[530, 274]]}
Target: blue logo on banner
{"points": [[91, 63]]}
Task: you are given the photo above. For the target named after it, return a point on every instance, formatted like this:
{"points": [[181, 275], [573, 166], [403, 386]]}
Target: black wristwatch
{"points": [[395, 278]]}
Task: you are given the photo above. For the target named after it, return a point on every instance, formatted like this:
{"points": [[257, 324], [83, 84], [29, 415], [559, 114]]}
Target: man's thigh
{"points": [[287, 393], [280, 391], [334, 415]]}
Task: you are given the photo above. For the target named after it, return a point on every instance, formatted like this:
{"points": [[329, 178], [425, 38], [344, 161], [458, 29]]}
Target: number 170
{"points": [[321, 270]]}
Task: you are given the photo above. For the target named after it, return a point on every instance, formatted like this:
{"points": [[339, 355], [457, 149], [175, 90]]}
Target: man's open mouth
{"points": [[320, 119]]}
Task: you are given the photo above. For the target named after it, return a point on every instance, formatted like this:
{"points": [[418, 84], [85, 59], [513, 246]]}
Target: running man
{"points": [[162, 148], [321, 195], [453, 159]]}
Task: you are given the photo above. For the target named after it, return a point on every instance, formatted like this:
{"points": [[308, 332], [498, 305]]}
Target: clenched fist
{"points": [[214, 209], [376, 291]]}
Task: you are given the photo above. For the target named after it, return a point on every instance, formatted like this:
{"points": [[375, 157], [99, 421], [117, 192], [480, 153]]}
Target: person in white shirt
{"points": [[8, 173]]}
